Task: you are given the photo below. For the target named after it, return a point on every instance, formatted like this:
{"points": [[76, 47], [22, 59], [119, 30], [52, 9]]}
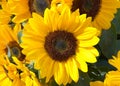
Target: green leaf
{"points": [[83, 80], [19, 36], [116, 21], [108, 42], [117, 47], [94, 73], [98, 70], [52, 83]]}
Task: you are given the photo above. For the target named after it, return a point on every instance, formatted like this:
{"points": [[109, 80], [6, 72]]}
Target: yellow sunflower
{"points": [[97, 83], [116, 61], [4, 17], [112, 78], [19, 8], [8, 73], [60, 44], [27, 76], [22, 9], [16, 74], [9, 41], [101, 11]]}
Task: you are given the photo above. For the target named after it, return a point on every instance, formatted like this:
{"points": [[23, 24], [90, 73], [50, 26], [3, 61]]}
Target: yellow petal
{"points": [[89, 43], [71, 65], [82, 65], [86, 55]]}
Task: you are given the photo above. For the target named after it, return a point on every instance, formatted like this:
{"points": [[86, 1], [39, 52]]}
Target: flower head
{"points": [[101, 11], [116, 61], [60, 44], [9, 41], [16, 73], [97, 83], [5, 17], [112, 78], [8, 73], [19, 8]]}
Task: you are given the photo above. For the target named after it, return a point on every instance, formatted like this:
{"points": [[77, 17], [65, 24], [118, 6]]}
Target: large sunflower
{"points": [[101, 11], [9, 41], [60, 44]]}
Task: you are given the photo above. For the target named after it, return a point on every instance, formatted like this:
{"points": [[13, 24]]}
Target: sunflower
{"points": [[12, 6], [8, 73], [9, 41], [15, 74], [97, 83], [22, 9], [27, 76], [60, 44], [5, 17], [112, 78], [101, 11], [115, 61], [26, 7]]}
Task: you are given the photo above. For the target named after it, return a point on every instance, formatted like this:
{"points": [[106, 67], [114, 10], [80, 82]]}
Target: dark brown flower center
{"points": [[50, 1], [31, 6], [15, 50], [90, 7], [38, 6], [60, 45]]}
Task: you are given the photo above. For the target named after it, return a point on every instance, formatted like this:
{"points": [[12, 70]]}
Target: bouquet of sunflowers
{"points": [[59, 43]]}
